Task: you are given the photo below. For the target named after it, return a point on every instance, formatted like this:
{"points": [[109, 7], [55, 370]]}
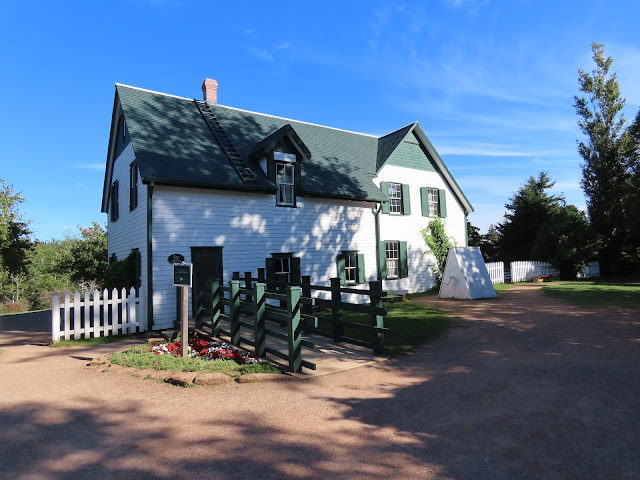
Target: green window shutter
{"points": [[361, 277], [404, 265], [443, 203], [342, 274], [384, 187], [406, 201], [271, 273], [382, 256], [295, 270], [424, 200]]}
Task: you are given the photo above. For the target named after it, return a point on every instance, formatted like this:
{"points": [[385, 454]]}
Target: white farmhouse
{"points": [[233, 190]]}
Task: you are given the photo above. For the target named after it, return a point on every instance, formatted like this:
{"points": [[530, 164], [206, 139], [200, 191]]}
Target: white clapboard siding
{"points": [[496, 272], [97, 315]]}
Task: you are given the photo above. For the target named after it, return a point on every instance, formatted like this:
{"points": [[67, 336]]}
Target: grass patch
{"points": [[623, 293], [140, 357], [432, 292], [92, 342], [410, 324], [8, 314], [503, 287], [1, 351]]}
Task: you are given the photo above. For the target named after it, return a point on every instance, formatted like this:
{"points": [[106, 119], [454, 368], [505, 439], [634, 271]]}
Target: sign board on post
{"points": [[176, 258], [182, 275]]}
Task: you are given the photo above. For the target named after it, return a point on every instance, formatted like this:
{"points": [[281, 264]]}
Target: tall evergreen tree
{"points": [[14, 242], [607, 151], [527, 213]]}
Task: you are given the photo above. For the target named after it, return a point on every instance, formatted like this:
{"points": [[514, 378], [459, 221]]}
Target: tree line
{"points": [[541, 226], [31, 271]]}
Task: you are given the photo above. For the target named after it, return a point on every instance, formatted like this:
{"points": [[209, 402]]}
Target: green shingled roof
{"points": [[173, 145]]}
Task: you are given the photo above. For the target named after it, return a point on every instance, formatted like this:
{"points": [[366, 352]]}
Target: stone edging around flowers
{"points": [[185, 379]]}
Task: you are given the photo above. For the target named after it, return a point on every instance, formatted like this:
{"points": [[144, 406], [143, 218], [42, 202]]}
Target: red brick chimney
{"points": [[210, 90]]}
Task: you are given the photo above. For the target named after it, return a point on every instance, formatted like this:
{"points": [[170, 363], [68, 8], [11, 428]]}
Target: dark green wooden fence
{"points": [[243, 303]]}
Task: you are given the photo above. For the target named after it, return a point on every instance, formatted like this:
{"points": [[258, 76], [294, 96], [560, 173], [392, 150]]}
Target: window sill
{"points": [[286, 205]]}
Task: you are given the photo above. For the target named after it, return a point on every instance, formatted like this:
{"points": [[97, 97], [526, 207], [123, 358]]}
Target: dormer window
{"points": [[285, 178]]}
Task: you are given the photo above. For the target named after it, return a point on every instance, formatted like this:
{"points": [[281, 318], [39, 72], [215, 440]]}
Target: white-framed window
{"points": [[283, 269], [395, 197], [285, 181], [392, 253], [434, 202], [351, 267]]}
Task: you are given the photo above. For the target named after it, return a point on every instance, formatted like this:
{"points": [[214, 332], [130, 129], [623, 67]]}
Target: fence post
{"points": [[259, 333], [306, 309], [55, 318], [215, 308], [247, 285], [131, 305], [86, 311], [97, 302], [234, 311], [262, 275], [336, 311], [235, 276], [293, 328], [376, 294], [76, 315], [67, 315]]}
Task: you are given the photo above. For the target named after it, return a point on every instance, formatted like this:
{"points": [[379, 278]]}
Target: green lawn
{"points": [[141, 357], [503, 287], [410, 324], [624, 293]]}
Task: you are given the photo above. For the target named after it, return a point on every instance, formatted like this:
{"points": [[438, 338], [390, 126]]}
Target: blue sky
{"points": [[491, 82]]}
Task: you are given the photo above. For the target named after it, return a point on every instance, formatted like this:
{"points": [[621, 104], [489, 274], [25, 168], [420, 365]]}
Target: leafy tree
{"points": [[607, 153], [87, 258], [567, 241], [527, 213], [438, 242], [14, 242], [46, 273]]}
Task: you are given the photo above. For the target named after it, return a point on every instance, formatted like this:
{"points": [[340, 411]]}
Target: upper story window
{"points": [[285, 178], [113, 209], [122, 135], [399, 201], [133, 186], [434, 202], [395, 198]]}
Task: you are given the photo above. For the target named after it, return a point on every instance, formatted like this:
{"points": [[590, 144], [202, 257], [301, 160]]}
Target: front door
{"points": [[207, 266]]}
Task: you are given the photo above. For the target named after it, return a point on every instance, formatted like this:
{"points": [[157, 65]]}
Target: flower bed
{"points": [[199, 348]]}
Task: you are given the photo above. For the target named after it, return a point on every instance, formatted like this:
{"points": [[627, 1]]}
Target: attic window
{"points": [[285, 182], [284, 157]]}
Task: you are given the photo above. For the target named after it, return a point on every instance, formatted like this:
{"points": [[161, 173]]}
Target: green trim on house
{"points": [[406, 200], [424, 201], [404, 264], [442, 194], [149, 299]]}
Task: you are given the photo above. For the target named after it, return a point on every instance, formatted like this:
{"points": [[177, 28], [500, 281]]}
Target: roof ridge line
{"points": [[153, 91], [298, 121]]}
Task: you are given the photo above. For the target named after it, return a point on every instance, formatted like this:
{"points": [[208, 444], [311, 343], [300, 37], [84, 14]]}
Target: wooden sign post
{"points": [[182, 278]]}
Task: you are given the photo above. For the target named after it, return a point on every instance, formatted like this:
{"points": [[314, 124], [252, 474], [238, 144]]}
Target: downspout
{"points": [[466, 230], [150, 255], [376, 213]]}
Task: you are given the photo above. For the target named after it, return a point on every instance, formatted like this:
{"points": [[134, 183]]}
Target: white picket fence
{"points": [[496, 272], [99, 315], [524, 271]]}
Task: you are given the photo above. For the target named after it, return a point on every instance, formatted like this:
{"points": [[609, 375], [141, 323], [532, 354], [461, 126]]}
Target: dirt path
{"points": [[524, 387]]}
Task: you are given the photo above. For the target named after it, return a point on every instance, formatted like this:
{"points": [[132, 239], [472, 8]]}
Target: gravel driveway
{"points": [[524, 387]]}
